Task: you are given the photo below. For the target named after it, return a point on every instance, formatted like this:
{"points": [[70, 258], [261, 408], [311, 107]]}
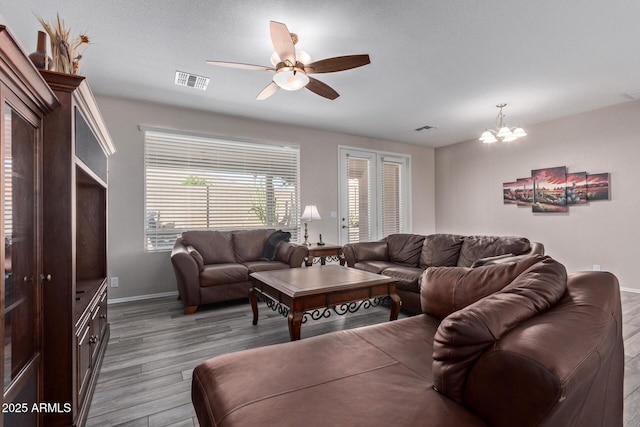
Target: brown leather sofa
{"points": [[512, 344], [212, 266], [405, 257]]}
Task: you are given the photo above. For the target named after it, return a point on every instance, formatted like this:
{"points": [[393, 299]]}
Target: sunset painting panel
{"points": [[598, 186], [549, 193], [524, 193], [509, 193], [576, 188]]}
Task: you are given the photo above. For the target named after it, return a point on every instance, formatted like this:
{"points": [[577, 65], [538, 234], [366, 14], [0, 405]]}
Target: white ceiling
{"points": [[442, 63]]}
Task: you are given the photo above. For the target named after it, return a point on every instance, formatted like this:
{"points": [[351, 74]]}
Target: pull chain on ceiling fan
{"points": [[291, 73]]}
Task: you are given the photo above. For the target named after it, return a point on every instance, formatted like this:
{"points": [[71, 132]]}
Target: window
{"points": [[374, 195], [194, 182]]}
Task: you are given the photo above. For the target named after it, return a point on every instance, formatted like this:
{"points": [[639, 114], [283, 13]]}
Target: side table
{"points": [[331, 252]]}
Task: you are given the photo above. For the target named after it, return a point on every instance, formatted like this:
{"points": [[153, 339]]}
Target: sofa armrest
{"points": [[365, 251], [187, 273], [565, 367], [536, 248], [290, 253]]}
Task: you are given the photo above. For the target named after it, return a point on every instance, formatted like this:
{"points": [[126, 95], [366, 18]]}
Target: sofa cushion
{"points": [[370, 251], [254, 266], [441, 250], [248, 244], [448, 289], [472, 249], [405, 249], [222, 274], [407, 277], [465, 335], [374, 266], [477, 247], [271, 245], [215, 246]]}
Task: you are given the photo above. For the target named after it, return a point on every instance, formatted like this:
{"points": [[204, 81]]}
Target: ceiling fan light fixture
{"points": [[291, 78]]}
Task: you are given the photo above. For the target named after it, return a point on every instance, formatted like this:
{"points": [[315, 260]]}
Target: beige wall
{"points": [[469, 179], [141, 273]]}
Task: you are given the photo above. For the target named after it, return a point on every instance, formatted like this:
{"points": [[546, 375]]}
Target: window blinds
{"points": [[194, 182]]}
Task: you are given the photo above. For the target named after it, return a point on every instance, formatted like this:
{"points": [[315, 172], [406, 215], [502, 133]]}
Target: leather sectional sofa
{"points": [[512, 344], [212, 266], [405, 256]]}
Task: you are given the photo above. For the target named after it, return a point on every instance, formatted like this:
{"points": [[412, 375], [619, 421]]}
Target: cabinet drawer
{"points": [[83, 361]]}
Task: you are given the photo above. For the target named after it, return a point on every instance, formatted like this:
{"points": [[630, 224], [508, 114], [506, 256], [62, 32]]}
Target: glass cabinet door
{"points": [[20, 332]]}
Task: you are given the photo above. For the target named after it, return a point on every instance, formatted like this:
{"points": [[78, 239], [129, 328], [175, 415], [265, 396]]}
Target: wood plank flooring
{"points": [[146, 374]]}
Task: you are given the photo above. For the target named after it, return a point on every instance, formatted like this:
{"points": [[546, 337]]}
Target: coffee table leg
{"points": [[254, 305], [396, 303], [295, 323]]}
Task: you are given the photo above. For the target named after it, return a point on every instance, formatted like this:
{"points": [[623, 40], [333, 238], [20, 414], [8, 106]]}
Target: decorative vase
{"points": [[39, 57]]}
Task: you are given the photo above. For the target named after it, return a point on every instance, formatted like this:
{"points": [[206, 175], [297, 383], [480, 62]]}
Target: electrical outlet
{"points": [[596, 267], [114, 282]]}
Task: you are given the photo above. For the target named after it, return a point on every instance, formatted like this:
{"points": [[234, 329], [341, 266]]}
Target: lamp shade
{"points": [[310, 213]]}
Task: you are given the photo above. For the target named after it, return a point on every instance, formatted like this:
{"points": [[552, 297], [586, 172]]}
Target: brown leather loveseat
{"points": [[405, 257], [212, 266], [513, 344]]}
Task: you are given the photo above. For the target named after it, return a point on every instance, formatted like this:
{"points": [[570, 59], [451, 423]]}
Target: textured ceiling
{"points": [[439, 63]]}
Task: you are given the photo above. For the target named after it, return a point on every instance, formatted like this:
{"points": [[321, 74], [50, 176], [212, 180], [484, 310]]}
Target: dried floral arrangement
{"points": [[66, 53]]}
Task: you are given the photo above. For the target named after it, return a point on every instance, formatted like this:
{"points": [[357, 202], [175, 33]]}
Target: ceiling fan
{"points": [[292, 69]]}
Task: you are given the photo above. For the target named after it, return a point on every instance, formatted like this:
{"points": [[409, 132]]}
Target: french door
{"points": [[374, 195]]}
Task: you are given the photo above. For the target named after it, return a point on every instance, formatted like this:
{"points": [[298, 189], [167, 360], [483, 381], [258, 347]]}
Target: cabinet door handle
{"points": [[27, 279], [45, 278]]}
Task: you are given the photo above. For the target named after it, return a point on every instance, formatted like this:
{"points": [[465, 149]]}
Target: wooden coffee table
{"points": [[301, 290]]}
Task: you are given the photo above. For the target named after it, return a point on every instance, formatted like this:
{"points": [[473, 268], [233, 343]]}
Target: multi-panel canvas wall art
{"points": [[554, 189]]}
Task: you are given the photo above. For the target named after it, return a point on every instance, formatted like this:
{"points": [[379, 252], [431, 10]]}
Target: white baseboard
{"points": [[142, 297], [634, 290]]}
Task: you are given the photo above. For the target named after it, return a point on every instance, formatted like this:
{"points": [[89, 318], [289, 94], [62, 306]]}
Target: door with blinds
{"points": [[374, 191]]}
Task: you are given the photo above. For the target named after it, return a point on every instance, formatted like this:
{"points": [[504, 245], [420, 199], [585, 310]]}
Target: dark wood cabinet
{"points": [[25, 99], [53, 291], [75, 328]]}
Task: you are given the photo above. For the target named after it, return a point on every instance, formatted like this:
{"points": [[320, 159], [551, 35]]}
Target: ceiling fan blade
{"points": [[338, 63], [322, 89], [282, 42], [268, 91], [241, 66]]}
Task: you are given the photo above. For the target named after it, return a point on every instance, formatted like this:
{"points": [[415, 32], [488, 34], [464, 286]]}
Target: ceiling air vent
{"points": [[191, 80], [426, 127]]}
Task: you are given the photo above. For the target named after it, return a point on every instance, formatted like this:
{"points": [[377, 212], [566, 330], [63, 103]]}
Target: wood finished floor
{"points": [[145, 378]]}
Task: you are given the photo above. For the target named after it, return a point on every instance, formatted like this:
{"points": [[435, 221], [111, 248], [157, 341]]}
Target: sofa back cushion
{"points": [[405, 249], [216, 247], [370, 251], [476, 247], [445, 290], [248, 244], [466, 334], [441, 250]]}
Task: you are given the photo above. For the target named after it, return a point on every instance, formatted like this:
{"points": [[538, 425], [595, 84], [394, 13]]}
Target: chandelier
{"points": [[504, 133]]}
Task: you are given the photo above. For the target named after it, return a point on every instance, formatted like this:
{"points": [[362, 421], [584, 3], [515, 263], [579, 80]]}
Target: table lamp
{"points": [[310, 213]]}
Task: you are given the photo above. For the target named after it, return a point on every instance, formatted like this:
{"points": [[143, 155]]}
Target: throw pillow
{"points": [[270, 246]]}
